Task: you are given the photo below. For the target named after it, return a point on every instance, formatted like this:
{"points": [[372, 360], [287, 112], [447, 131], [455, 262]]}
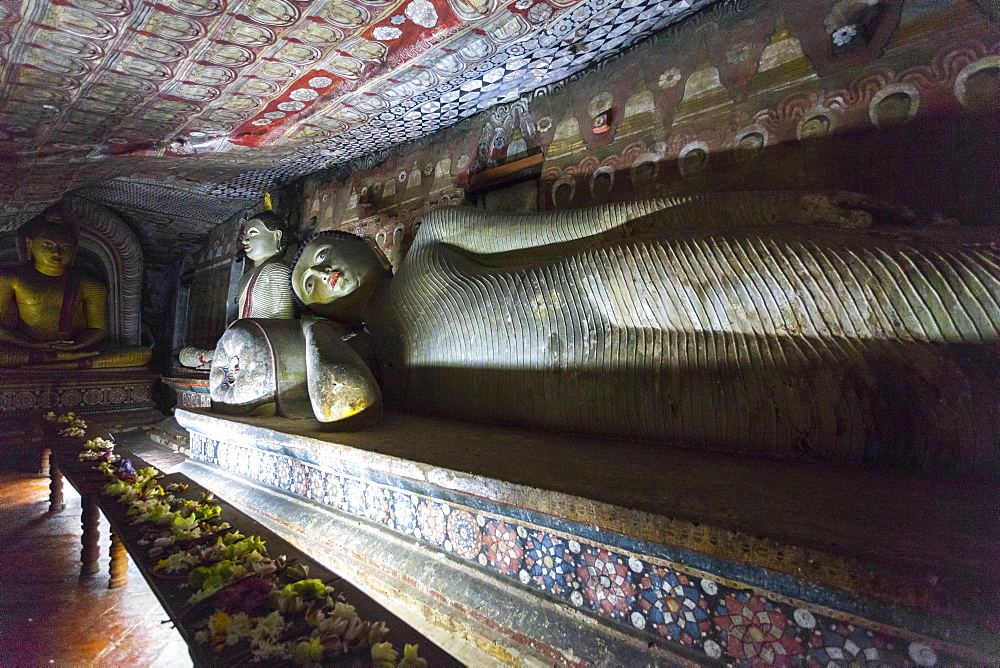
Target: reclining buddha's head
{"points": [[336, 272]]}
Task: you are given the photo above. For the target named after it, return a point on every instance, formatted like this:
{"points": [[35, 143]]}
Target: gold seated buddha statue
{"points": [[53, 317]]}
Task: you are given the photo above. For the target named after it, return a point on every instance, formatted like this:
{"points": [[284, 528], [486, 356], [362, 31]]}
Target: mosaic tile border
{"points": [[669, 602]]}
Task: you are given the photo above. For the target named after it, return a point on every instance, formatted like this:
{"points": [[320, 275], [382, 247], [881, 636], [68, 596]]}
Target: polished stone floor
{"points": [[48, 615]]}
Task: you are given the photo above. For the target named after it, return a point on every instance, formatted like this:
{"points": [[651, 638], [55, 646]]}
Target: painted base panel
{"points": [[25, 392], [489, 564]]}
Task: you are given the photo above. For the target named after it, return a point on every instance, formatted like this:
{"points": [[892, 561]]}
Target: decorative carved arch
{"points": [[110, 239]]}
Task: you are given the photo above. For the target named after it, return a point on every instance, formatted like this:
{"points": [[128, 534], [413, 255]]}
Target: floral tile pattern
{"points": [[668, 602], [673, 605], [549, 563], [607, 582]]}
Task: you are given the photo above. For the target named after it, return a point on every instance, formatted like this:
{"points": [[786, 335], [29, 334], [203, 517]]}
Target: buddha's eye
{"points": [[309, 285], [252, 232], [320, 256]]}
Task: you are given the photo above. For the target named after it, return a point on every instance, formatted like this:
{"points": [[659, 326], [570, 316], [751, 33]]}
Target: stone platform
{"points": [[191, 389], [533, 547]]}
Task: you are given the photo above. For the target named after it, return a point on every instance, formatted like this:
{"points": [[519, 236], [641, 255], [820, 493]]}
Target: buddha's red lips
{"points": [[334, 277]]}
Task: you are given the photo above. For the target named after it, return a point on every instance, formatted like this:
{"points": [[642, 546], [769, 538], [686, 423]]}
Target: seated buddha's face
{"points": [[52, 252], [330, 269], [260, 243]]}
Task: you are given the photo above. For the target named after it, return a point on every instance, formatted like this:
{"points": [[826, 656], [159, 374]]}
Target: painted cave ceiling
{"points": [[190, 109]]}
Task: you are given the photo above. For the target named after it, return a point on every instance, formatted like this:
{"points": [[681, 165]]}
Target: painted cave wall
{"points": [[896, 99]]}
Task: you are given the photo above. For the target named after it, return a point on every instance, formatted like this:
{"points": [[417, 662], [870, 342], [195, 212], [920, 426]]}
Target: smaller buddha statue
{"points": [[263, 291], [320, 367], [52, 316]]}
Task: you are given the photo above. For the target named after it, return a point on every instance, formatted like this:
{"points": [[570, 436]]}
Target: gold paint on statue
{"points": [[52, 316]]}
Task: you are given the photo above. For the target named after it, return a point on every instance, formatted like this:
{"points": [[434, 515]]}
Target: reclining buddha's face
{"points": [[332, 268]]}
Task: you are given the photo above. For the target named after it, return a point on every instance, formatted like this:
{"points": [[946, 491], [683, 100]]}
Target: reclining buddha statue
{"points": [[263, 291], [51, 315], [778, 324]]}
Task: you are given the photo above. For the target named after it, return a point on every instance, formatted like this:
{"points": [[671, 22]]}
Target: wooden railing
{"points": [[173, 592]]}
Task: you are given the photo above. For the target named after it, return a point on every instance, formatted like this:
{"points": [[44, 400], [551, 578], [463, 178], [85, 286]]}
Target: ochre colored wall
{"points": [[903, 107]]}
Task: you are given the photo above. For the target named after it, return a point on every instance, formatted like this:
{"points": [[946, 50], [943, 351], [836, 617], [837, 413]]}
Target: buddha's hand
{"points": [[45, 346], [74, 355], [84, 340], [22, 342]]}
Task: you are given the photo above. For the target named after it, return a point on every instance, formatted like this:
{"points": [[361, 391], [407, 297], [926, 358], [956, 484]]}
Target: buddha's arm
{"points": [[479, 231], [94, 300], [502, 239], [6, 304], [341, 385]]}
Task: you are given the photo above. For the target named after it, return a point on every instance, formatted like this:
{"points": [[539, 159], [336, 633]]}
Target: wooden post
{"points": [[90, 553], [56, 502], [43, 468], [119, 563]]}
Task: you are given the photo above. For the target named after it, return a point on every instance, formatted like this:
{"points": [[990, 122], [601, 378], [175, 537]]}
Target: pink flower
{"points": [[756, 634], [431, 522], [606, 582], [503, 548]]}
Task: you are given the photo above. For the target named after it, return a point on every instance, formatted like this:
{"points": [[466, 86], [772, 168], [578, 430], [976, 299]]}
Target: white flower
{"points": [[303, 94], [843, 36], [291, 106], [397, 19], [239, 627], [543, 12], [922, 655], [386, 33], [320, 82], [99, 444], [523, 4], [262, 121], [804, 618], [179, 561], [670, 78], [737, 53], [422, 13]]}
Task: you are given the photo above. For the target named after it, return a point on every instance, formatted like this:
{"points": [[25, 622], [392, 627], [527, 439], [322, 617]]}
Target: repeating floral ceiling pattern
{"points": [[222, 97]]}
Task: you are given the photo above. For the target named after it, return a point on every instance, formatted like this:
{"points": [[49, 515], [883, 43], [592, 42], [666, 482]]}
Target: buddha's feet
{"points": [[196, 358]]}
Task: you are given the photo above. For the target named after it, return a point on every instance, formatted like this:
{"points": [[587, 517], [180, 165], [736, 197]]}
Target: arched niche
{"points": [[107, 241]]}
